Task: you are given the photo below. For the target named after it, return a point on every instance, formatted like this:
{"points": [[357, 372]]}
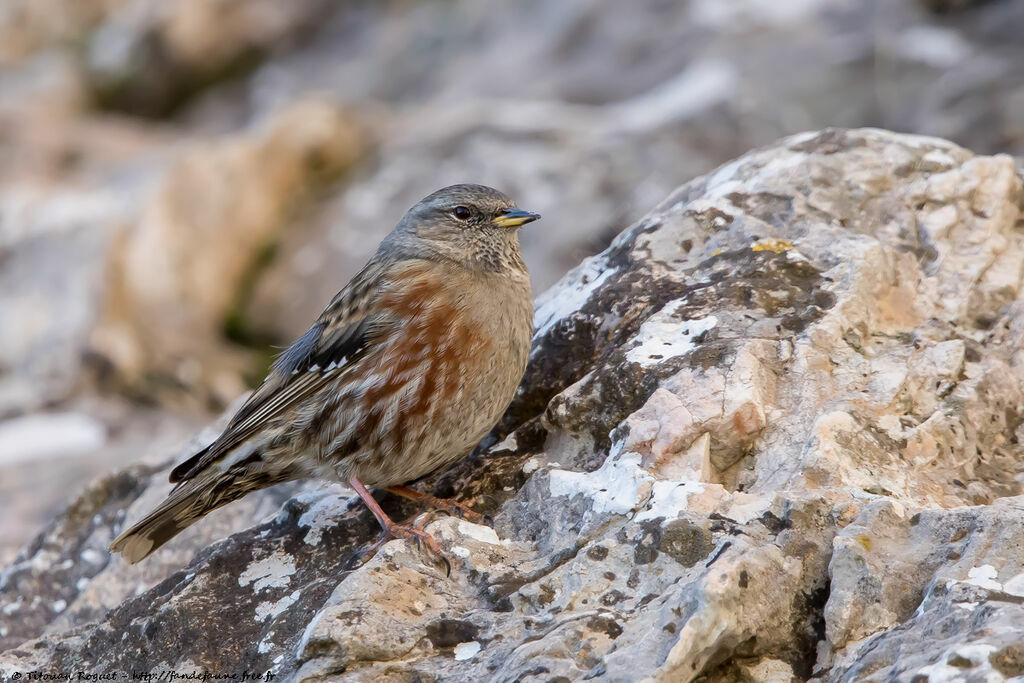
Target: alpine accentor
{"points": [[407, 368]]}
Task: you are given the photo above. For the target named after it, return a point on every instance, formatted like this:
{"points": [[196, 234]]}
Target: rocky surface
{"points": [[184, 185], [772, 431]]}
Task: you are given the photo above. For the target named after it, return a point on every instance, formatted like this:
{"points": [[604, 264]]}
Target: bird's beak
{"points": [[513, 218]]}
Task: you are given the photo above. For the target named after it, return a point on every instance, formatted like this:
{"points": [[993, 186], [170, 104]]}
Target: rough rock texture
{"points": [[772, 431], [134, 129]]}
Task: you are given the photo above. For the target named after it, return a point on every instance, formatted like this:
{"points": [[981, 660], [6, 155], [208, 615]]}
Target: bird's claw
{"points": [[363, 555], [426, 518], [447, 505], [421, 538], [458, 510], [416, 534]]}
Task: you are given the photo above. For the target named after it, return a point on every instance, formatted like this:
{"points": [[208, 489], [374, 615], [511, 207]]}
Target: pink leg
{"points": [[392, 530]]}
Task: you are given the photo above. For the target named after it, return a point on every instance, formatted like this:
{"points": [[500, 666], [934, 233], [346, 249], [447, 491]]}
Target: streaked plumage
{"points": [[407, 368]]}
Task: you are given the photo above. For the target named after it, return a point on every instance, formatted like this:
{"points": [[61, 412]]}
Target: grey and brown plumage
{"points": [[407, 368]]}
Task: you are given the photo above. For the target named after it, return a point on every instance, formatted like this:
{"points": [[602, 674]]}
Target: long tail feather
{"points": [[169, 519], [188, 503]]}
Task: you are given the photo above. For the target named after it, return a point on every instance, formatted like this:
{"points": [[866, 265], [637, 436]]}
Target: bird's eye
{"points": [[461, 212]]}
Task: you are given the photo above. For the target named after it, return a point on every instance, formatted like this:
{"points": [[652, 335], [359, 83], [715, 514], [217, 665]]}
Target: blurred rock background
{"points": [[184, 185]]}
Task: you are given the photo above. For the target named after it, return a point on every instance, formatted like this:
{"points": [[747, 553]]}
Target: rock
{"points": [[184, 270], [29, 25], [58, 241], [46, 457], [604, 109], [149, 56], [772, 431], [942, 590], [58, 223]]}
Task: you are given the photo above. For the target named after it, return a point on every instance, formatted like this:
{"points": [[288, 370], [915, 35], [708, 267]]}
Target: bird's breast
{"points": [[439, 376]]}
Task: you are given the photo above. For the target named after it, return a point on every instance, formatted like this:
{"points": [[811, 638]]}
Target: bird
{"points": [[408, 367]]}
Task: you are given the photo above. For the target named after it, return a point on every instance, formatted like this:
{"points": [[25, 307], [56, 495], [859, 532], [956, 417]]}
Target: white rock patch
{"points": [[321, 515], [984, 576], [265, 645], [570, 294], [273, 571], [1015, 586], [484, 534], [272, 609], [614, 487], [464, 651], [668, 498], [663, 336]]}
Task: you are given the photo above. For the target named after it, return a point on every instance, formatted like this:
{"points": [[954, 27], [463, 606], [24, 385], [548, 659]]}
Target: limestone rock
{"points": [[772, 431]]}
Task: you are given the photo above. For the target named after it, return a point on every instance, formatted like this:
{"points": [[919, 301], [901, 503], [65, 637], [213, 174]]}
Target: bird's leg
{"points": [[445, 504], [392, 530]]}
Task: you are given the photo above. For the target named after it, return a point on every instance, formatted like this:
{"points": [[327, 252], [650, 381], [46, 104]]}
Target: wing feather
{"points": [[333, 344]]}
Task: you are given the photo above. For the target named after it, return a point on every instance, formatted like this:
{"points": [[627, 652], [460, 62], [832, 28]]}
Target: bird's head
{"points": [[475, 225]]}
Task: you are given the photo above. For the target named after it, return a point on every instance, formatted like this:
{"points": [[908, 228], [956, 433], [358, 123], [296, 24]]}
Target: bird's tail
{"points": [[187, 503]]}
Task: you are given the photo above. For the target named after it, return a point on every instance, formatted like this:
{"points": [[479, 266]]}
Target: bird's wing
{"points": [[334, 343]]}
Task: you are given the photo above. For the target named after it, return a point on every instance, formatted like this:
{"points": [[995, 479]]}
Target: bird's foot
{"points": [[444, 504], [392, 530], [457, 509], [416, 534], [421, 538]]}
